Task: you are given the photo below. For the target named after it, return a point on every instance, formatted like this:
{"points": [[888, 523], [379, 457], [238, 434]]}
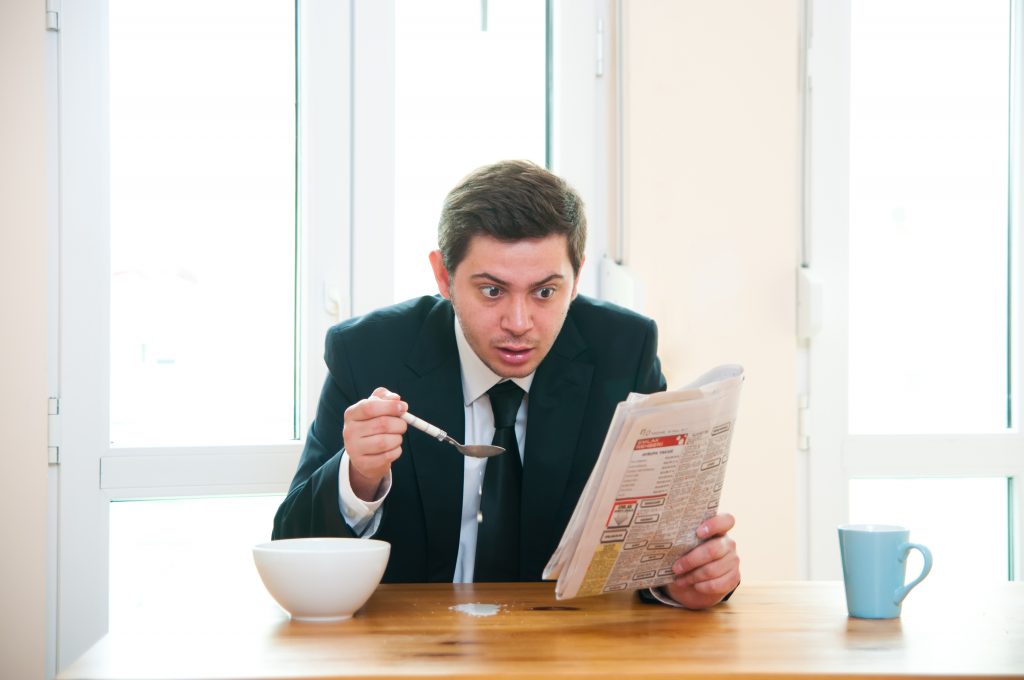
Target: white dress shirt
{"points": [[477, 378]]}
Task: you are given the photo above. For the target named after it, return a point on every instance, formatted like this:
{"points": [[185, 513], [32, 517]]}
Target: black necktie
{"points": [[497, 540]]}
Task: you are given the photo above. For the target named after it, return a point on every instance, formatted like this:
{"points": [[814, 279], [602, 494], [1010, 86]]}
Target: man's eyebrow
{"points": [[484, 276]]}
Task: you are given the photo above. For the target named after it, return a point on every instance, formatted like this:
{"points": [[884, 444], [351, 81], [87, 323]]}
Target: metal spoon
{"points": [[472, 450]]}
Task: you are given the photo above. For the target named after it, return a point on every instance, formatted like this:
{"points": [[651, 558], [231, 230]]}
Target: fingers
{"points": [[711, 532], [373, 432], [716, 526], [706, 553], [710, 571], [706, 584], [714, 560], [383, 402], [384, 393], [718, 587]]}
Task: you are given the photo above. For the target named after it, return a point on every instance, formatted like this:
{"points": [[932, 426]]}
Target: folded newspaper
{"points": [[659, 475]]}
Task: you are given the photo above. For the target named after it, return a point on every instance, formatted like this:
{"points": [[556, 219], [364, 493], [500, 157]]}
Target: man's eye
{"points": [[490, 291], [545, 293]]}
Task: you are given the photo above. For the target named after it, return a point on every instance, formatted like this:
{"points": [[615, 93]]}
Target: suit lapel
{"points": [[433, 391], [558, 398]]}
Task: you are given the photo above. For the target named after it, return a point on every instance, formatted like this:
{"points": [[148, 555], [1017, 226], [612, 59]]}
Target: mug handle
{"points": [[904, 550]]}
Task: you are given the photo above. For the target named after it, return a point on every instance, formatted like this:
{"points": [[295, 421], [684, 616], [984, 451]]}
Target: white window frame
{"points": [[91, 473], [345, 191], [834, 456]]}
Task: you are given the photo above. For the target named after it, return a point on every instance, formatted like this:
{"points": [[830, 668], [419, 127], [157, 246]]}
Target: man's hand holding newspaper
{"points": [[648, 516], [710, 571]]}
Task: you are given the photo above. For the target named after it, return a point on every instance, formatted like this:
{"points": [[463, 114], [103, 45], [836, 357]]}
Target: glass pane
{"points": [[464, 97], [171, 556], [202, 120], [928, 216], [962, 521]]}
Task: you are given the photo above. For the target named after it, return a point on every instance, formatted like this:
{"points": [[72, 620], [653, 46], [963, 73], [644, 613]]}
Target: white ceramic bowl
{"points": [[321, 579]]}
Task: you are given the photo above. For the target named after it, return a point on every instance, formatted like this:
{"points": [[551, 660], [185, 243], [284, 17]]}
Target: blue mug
{"points": [[875, 568]]}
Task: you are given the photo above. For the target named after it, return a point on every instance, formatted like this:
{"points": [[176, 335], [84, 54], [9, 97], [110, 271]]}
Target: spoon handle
{"points": [[420, 424]]}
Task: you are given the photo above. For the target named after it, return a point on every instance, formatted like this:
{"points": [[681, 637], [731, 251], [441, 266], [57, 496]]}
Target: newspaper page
{"points": [[658, 476]]}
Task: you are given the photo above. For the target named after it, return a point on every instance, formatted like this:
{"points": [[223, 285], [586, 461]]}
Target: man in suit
{"points": [[508, 320]]}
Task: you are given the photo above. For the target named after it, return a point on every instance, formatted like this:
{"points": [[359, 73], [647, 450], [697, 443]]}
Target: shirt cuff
{"points": [[362, 516], [661, 596], [658, 594]]}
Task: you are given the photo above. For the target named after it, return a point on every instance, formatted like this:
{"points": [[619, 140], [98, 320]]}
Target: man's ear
{"points": [[576, 279], [440, 274]]}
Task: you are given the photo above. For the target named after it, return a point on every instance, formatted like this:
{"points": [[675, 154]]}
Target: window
{"points": [[929, 122], [470, 89], [203, 225], [185, 284], [228, 182], [913, 231]]}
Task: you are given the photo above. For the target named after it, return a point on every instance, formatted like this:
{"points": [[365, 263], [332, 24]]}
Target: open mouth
{"points": [[515, 355]]}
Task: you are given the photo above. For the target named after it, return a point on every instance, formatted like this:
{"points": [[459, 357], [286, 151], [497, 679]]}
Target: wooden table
{"points": [[781, 629]]}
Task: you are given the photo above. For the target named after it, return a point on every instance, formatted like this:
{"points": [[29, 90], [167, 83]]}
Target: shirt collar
{"points": [[477, 378]]}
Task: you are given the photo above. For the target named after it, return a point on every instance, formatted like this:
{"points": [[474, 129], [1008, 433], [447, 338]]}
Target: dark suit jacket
{"points": [[602, 353]]}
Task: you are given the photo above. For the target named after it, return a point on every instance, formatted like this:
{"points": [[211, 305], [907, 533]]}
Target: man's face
{"points": [[511, 299]]}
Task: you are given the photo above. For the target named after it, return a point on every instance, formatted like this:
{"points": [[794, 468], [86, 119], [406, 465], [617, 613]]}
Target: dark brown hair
{"points": [[511, 201]]}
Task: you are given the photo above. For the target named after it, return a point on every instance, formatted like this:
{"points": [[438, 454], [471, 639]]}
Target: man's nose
{"points": [[517, 318]]}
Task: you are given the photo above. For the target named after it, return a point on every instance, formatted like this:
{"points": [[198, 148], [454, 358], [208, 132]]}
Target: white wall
{"points": [[23, 338], [712, 190]]}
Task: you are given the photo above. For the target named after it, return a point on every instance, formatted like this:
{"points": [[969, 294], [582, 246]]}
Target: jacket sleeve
{"points": [[649, 378], [311, 507]]}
